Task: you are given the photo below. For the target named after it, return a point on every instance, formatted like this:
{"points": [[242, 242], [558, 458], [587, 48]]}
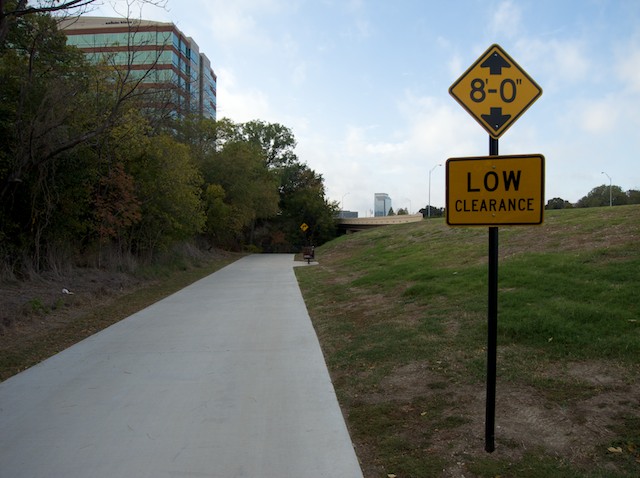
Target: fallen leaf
{"points": [[391, 476], [616, 449], [550, 339], [423, 414]]}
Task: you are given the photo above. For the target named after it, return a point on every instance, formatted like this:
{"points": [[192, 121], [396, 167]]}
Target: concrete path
{"points": [[223, 379]]}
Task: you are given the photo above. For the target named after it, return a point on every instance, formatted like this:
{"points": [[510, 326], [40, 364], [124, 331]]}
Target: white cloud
{"points": [[127, 9], [363, 27], [299, 74], [571, 60], [290, 46], [355, 5], [561, 62], [627, 69], [455, 67], [357, 27], [439, 129], [600, 116], [241, 21], [443, 43], [506, 20], [232, 23], [358, 145], [239, 103]]}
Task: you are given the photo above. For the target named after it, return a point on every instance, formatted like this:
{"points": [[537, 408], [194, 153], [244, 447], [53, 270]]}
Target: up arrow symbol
{"points": [[495, 63]]}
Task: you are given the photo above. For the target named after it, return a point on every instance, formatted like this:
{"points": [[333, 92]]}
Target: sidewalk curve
{"points": [[222, 379]]}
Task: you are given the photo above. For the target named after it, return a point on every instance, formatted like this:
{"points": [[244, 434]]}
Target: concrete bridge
{"points": [[350, 225]]}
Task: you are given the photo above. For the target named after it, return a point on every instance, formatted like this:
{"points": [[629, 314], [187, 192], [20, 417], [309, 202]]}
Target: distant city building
{"points": [[381, 204], [157, 54], [348, 214]]}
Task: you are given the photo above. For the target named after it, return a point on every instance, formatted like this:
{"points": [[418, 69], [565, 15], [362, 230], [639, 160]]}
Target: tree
{"points": [[168, 186], [116, 207], [634, 196], [435, 211], [256, 191], [45, 109], [221, 227], [403, 212], [277, 142], [201, 134], [558, 203], [42, 86], [302, 200], [599, 196], [250, 189]]}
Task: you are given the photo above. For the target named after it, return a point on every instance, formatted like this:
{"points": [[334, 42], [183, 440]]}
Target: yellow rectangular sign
{"points": [[495, 190]]}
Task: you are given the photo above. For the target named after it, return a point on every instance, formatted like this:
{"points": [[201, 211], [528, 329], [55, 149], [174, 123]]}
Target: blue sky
{"points": [[363, 85]]}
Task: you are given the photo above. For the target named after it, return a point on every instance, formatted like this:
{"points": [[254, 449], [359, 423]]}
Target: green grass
{"points": [[417, 294], [573, 306]]}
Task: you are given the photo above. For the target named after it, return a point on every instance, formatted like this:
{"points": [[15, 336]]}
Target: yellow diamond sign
{"points": [[304, 226], [495, 90]]}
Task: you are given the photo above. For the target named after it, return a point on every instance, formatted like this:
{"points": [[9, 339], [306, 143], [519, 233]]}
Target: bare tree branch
{"points": [[50, 6], [21, 10]]}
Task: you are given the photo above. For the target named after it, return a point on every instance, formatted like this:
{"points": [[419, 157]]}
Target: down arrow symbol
{"points": [[496, 119]]}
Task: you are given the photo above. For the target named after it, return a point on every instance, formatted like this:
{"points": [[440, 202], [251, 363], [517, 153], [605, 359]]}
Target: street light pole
{"points": [[429, 206], [342, 202], [610, 198]]}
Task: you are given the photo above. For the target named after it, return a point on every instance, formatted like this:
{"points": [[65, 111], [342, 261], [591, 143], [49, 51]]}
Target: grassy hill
{"points": [[401, 315]]}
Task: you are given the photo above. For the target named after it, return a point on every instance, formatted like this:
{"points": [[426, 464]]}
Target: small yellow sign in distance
{"points": [[495, 90], [495, 190], [304, 226]]}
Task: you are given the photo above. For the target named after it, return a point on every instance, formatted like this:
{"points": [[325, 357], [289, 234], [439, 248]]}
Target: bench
{"points": [[308, 253]]}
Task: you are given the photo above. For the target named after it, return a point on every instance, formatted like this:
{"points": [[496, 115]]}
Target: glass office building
{"points": [[382, 204], [155, 55]]}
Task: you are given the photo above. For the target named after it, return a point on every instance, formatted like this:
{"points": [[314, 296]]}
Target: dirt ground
{"points": [[50, 297], [577, 431]]}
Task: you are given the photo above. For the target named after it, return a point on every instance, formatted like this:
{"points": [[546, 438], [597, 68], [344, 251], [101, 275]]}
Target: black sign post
{"points": [[495, 91], [492, 329]]}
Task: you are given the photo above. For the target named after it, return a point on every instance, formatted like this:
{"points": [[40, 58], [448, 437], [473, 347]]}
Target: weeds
{"points": [[36, 305]]}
